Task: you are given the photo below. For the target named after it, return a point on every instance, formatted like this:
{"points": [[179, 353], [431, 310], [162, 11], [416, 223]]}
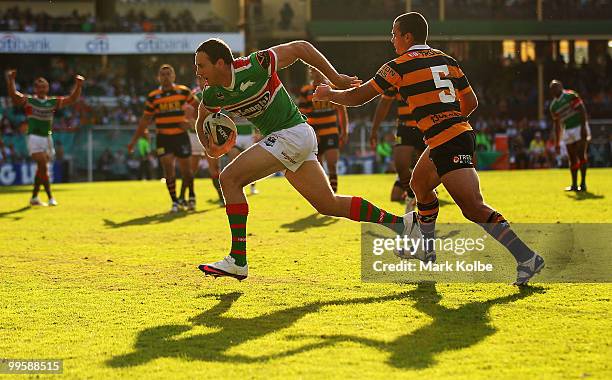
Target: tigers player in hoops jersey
{"points": [[165, 106], [441, 99], [197, 150], [408, 147], [40, 109], [250, 87], [330, 122]]}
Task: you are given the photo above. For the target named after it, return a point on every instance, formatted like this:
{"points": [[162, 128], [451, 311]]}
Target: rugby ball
{"points": [[219, 126]]}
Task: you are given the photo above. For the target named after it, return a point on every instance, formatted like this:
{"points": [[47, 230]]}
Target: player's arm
{"points": [[17, 97], [382, 110], [585, 118], [143, 123], [342, 123], [75, 95], [353, 97], [287, 54], [468, 101]]}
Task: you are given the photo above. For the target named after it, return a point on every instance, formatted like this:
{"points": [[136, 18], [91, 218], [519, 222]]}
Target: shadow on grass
{"points": [[311, 221], [451, 329], [164, 217], [583, 195], [17, 211], [165, 341]]}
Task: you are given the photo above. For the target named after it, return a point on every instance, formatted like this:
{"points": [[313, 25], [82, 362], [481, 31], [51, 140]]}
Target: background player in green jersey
{"points": [[571, 123], [39, 111], [249, 87]]}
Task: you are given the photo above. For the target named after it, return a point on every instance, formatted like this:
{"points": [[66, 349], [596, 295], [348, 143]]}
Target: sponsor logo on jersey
{"points": [[388, 74], [253, 108], [245, 85], [288, 158], [462, 159]]}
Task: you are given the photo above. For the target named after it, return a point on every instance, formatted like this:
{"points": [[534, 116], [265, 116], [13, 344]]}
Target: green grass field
{"points": [[108, 282]]}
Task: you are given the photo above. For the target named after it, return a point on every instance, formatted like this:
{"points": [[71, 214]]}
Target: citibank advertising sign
{"points": [[112, 43]]}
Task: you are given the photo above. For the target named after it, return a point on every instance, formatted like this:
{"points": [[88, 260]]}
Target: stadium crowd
{"points": [[23, 20], [112, 97]]}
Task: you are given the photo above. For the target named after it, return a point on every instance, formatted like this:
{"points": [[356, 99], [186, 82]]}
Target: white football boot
{"points": [[37, 202], [53, 202], [225, 268]]}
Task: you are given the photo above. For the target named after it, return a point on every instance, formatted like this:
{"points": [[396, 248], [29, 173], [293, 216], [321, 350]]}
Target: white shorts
{"points": [[571, 136], [292, 146], [243, 142], [38, 144], [196, 147]]}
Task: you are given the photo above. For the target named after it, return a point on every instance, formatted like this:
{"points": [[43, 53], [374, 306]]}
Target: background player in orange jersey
{"points": [[165, 106], [408, 147], [330, 122], [441, 99]]}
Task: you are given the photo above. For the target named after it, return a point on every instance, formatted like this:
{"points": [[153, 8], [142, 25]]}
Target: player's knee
{"points": [[229, 179]]}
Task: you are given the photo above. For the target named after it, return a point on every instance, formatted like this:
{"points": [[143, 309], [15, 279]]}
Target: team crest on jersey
{"points": [[270, 141], [220, 96], [388, 74], [263, 57]]}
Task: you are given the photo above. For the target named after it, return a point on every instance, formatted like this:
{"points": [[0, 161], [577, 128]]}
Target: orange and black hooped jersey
{"points": [[167, 108], [404, 116], [431, 83], [322, 116]]}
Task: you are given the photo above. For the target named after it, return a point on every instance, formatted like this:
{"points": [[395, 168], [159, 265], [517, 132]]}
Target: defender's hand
{"points": [[322, 93], [345, 81]]}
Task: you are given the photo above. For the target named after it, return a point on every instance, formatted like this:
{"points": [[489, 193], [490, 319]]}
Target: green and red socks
{"points": [[364, 211], [237, 215]]}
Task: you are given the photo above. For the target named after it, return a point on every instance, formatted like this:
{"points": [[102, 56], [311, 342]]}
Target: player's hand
{"points": [[374, 140], [11, 74], [215, 151], [322, 93], [130, 147], [346, 81]]}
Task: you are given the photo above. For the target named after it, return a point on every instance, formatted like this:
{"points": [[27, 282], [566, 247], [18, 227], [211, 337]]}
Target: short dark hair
{"points": [[414, 23], [216, 49]]}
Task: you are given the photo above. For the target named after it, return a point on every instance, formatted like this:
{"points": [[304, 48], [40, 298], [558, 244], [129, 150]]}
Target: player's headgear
{"points": [[216, 49], [414, 23]]}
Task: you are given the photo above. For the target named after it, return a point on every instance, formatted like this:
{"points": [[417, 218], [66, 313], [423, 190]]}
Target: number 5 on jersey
{"points": [[443, 83]]}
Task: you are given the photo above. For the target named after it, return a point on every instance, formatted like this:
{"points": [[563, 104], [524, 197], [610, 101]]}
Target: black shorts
{"points": [[178, 145], [328, 142], [454, 154], [410, 136]]}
